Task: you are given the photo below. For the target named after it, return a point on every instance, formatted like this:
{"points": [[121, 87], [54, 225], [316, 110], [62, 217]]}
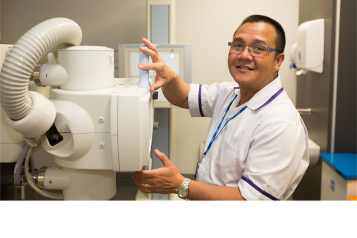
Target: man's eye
{"points": [[237, 45], [258, 47]]}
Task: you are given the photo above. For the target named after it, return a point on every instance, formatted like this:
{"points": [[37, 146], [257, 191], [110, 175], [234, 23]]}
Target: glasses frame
{"points": [[244, 45]]}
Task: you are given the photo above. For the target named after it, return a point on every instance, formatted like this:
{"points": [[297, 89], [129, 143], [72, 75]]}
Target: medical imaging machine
{"points": [[92, 123]]}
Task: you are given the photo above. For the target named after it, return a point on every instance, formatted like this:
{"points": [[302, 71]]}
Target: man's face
{"points": [[255, 72]]}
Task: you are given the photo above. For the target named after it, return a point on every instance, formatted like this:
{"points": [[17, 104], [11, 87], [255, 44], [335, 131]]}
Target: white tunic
{"points": [[263, 151]]}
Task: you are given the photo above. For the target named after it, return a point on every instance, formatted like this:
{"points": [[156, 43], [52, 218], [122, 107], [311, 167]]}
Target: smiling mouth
{"points": [[244, 67]]}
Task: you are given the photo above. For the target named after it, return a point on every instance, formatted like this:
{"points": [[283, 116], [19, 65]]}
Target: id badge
{"points": [[198, 166]]}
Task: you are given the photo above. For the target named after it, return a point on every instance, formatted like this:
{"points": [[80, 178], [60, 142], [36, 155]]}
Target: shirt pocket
{"points": [[228, 166]]}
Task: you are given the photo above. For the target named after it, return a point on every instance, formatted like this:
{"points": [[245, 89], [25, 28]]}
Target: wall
{"points": [[314, 91], [106, 22], [103, 23], [346, 100], [208, 25]]}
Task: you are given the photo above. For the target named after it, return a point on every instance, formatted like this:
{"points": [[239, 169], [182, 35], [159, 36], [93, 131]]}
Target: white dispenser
{"points": [[308, 53]]}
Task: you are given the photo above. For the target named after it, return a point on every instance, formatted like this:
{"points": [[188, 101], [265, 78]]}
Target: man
{"points": [[256, 148]]}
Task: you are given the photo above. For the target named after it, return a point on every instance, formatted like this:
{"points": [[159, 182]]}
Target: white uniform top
{"points": [[263, 151]]}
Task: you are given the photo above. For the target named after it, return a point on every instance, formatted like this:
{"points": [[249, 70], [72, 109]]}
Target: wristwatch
{"points": [[182, 191]]}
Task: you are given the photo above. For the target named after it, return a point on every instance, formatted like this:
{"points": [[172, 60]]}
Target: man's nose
{"points": [[245, 53]]}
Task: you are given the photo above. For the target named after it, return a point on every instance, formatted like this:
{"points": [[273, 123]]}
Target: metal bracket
{"points": [[35, 76]]}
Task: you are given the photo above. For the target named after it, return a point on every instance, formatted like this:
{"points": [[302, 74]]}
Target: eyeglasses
{"points": [[254, 50]]}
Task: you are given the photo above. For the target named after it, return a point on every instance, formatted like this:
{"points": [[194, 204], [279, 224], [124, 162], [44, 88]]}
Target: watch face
{"points": [[182, 192]]}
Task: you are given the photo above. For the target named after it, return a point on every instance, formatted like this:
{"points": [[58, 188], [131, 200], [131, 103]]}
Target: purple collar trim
{"points": [[266, 103], [271, 99]]}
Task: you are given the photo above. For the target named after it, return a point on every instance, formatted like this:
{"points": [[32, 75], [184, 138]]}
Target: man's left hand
{"points": [[164, 180]]}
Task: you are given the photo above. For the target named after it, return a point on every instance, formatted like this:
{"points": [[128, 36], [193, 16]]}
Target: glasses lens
{"points": [[257, 50], [236, 48], [254, 50]]}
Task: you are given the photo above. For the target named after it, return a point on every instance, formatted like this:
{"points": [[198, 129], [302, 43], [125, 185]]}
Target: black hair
{"points": [[280, 40]]}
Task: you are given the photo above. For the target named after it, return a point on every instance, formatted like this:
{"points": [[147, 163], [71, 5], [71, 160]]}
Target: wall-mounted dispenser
{"points": [[308, 53]]}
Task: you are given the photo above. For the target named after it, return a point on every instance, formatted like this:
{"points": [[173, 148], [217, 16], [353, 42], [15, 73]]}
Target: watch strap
{"points": [[184, 186]]}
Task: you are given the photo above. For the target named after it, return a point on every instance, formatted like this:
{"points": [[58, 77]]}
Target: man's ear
{"points": [[278, 61]]}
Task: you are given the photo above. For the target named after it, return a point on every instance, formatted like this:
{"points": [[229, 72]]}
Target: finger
{"points": [[165, 161], [149, 44], [152, 66], [154, 56], [145, 176], [153, 87], [138, 181], [156, 85], [144, 188], [136, 177], [141, 186]]}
